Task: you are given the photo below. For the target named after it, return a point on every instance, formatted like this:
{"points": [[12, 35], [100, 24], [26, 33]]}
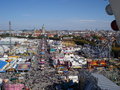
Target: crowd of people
{"points": [[37, 79]]}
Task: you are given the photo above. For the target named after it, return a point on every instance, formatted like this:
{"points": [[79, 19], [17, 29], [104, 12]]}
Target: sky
{"points": [[55, 14]]}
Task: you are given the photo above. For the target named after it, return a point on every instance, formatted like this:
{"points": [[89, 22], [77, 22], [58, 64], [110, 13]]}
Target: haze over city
{"points": [[59, 45], [55, 14]]}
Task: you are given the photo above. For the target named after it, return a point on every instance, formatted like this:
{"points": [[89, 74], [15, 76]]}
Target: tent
{"points": [[42, 62], [2, 65], [13, 86], [23, 67]]}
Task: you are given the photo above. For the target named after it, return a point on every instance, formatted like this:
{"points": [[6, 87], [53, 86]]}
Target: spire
{"points": [[9, 23], [43, 27]]}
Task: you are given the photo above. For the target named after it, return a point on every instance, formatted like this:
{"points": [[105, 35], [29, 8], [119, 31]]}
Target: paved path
{"points": [[38, 79]]}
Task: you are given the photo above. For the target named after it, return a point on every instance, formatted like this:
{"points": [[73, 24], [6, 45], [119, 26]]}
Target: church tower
{"points": [[43, 29]]}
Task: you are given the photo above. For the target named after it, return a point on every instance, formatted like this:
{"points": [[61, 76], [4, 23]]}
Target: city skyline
{"points": [[55, 14]]}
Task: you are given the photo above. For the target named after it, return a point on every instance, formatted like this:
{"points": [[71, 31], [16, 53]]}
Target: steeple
{"points": [[43, 29]]}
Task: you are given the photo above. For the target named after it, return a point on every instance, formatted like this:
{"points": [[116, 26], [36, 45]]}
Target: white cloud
{"points": [[87, 20]]}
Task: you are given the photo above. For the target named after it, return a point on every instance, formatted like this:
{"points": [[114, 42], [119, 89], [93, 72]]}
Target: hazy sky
{"points": [[55, 14]]}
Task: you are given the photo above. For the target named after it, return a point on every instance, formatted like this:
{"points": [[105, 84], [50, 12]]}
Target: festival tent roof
{"points": [[42, 62], [42, 53], [13, 86], [2, 64], [25, 66], [52, 50]]}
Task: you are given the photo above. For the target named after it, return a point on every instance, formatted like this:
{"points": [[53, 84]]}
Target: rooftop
{"points": [[104, 83], [2, 64]]}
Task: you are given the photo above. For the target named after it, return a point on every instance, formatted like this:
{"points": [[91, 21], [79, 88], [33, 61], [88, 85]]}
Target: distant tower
{"points": [[43, 29], [10, 34]]}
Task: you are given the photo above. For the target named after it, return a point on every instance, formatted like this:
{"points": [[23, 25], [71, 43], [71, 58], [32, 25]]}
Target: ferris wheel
{"points": [[100, 50], [118, 38]]}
